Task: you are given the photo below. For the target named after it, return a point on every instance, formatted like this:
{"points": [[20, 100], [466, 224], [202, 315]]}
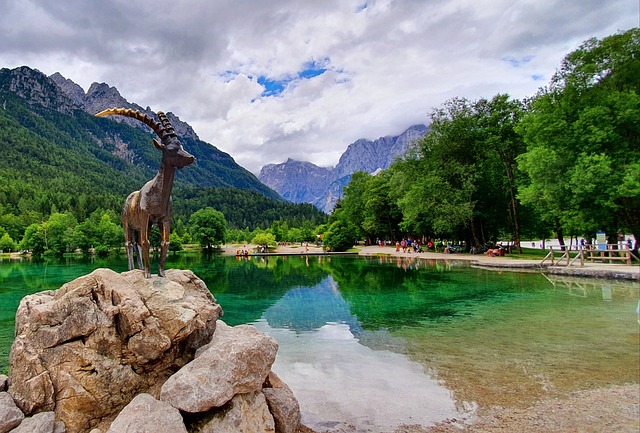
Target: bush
{"points": [[340, 236]]}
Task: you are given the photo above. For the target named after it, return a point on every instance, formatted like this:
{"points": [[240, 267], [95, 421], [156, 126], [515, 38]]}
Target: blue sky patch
{"points": [[273, 87], [515, 62]]}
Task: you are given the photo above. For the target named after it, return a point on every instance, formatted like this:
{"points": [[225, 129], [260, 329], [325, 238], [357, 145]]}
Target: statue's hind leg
{"points": [[138, 250], [128, 244], [139, 255]]}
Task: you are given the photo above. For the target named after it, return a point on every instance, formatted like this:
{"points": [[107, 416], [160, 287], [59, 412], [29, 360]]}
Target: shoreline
{"points": [[608, 409], [616, 271]]}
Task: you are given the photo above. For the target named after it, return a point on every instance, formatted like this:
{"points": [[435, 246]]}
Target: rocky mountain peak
{"points": [[36, 88], [291, 173], [62, 94], [69, 88], [304, 182], [101, 96]]}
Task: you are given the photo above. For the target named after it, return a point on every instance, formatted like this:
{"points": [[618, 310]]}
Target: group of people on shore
{"points": [[407, 245]]}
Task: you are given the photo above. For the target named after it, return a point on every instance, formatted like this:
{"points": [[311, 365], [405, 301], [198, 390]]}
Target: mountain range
{"points": [[58, 157], [304, 182], [118, 148]]}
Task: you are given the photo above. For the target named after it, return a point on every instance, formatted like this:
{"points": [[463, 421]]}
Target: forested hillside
{"points": [[70, 161]]}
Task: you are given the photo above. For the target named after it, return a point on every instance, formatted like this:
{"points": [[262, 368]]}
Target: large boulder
{"points": [[283, 405], [10, 415], [236, 361], [43, 422], [86, 349], [145, 414], [245, 413]]}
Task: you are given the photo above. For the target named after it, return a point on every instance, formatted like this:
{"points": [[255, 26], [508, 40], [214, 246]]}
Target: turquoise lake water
{"points": [[428, 340]]}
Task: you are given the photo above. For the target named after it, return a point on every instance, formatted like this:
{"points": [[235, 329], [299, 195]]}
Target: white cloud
{"points": [[390, 62]]}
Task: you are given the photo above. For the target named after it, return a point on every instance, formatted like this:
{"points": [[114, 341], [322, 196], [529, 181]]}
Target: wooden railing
{"points": [[611, 253]]}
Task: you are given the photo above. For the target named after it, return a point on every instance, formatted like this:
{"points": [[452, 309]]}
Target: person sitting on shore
{"points": [[495, 252]]}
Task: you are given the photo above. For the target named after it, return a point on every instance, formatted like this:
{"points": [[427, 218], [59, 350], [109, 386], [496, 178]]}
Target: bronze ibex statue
{"points": [[152, 204]]}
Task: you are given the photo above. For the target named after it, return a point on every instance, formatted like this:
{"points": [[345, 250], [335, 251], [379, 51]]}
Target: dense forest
{"points": [[64, 177], [565, 162]]}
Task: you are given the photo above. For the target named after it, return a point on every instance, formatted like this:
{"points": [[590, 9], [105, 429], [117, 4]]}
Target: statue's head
{"points": [[170, 146], [172, 151]]}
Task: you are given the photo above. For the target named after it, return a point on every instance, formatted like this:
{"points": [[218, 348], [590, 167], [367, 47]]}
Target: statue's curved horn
{"points": [[135, 114], [168, 127]]}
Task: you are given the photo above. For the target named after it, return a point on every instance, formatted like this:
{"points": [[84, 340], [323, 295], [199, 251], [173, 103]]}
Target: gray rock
{"points": [[4, 382], [246, 413], [283, 405], [10, 415], [105, 338], [236, 361], [59, 427], [145, 414], [43, 422], [68, 87]]}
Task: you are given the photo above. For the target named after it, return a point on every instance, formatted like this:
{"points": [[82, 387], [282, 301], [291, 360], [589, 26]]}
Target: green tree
{"points": [[498, 119], [186, 238], [340, 235], [264, 238], [440, 177], [277, 231], [34, 239], [351, 206], [208, 227], [15, 225], [308, 232], [7, 244], [59, 232], [295, 235], [179, 228], [109, 235], [175, 243], [583, 140], [381, 213]]}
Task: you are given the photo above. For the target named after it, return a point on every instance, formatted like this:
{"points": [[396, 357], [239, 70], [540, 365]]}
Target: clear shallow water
{"points": [[373, 343]]}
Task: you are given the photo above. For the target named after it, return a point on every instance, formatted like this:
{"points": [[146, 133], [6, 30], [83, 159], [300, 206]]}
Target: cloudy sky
{"points": [[265, 80]]}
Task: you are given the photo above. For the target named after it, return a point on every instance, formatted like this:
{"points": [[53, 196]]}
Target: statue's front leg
{"points": [[165, 232], [145, 244]]}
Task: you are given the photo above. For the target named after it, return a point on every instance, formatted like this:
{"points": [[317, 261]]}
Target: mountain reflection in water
{"points": [[341, 382]]}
